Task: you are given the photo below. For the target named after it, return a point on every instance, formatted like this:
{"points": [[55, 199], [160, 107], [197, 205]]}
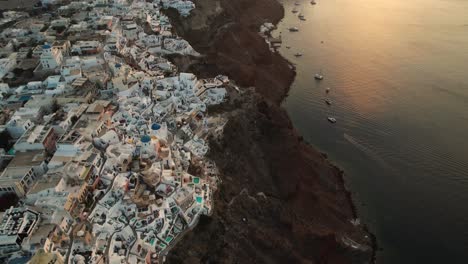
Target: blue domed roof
{"points": [[145, 139], [155, 126], [46, 46]]}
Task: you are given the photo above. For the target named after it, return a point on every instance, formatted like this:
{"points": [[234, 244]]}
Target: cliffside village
{"points": [[103, 140]]}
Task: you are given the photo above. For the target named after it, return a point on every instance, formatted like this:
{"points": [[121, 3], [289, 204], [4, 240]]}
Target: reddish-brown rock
{"points": [[280, 200]]}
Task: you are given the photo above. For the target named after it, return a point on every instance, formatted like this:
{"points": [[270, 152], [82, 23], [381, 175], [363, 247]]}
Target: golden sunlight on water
{"points": [[397, 72]]}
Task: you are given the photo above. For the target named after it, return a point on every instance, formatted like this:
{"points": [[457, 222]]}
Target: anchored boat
{"points": [[293, 29]]}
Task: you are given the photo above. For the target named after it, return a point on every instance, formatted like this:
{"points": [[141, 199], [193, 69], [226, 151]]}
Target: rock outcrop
{"points": [[280, 201]]}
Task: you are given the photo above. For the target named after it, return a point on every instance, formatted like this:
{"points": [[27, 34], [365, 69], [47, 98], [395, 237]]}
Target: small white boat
{"points": [[313, 2], [327, 90], [298, 54], [331, 119], [328, 102], [297, 3], [318, 76], [288, 47], [301, 16], [295, 10], [293, 29]]}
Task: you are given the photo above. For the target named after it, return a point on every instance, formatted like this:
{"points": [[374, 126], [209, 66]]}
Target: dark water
{"points": [[398, 74]]}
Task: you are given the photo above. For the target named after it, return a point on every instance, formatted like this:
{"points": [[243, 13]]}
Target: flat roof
{"points": [[28, 158], [79, 81], [34, 135], [59, 42], [40, 233], [50, 180], [11, 175], [42, 257], [24, 98], [7, 240]]}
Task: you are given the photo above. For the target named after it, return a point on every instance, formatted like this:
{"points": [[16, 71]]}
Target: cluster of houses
{"points": [[102, 140]]}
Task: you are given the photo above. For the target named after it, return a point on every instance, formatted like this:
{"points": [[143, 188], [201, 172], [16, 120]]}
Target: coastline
{"points": [[278, 193]]}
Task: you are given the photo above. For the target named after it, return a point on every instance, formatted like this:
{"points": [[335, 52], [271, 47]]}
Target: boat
{"points": [[298, 54], [318, 76], [327, 90], [295, 10], [328, 102], [313, 2], [293, 29], [288, 47], [331, 119], [301, 17], [297, 3]]}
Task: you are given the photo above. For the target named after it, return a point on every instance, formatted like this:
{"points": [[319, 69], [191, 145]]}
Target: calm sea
{"points": [[398, 78]]}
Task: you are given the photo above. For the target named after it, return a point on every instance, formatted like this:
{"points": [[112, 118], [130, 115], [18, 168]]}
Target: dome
{"points": [[145, 139], [155, 126]]}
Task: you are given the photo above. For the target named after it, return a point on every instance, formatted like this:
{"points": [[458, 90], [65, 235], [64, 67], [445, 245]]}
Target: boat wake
{"points": [[372, 154]]}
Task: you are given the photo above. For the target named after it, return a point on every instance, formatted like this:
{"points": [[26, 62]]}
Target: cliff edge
{"points": [[280, 200]]}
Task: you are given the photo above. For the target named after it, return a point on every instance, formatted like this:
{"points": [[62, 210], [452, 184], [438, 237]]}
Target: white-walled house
{"points": [[51, 58], [17, 127], [7, 65]]}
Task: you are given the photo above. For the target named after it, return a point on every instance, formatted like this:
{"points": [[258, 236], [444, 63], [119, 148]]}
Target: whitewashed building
{"points": [[50, 58]]}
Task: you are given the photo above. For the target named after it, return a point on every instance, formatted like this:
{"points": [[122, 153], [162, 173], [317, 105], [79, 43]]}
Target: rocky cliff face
{"points": [[280, 201]]}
